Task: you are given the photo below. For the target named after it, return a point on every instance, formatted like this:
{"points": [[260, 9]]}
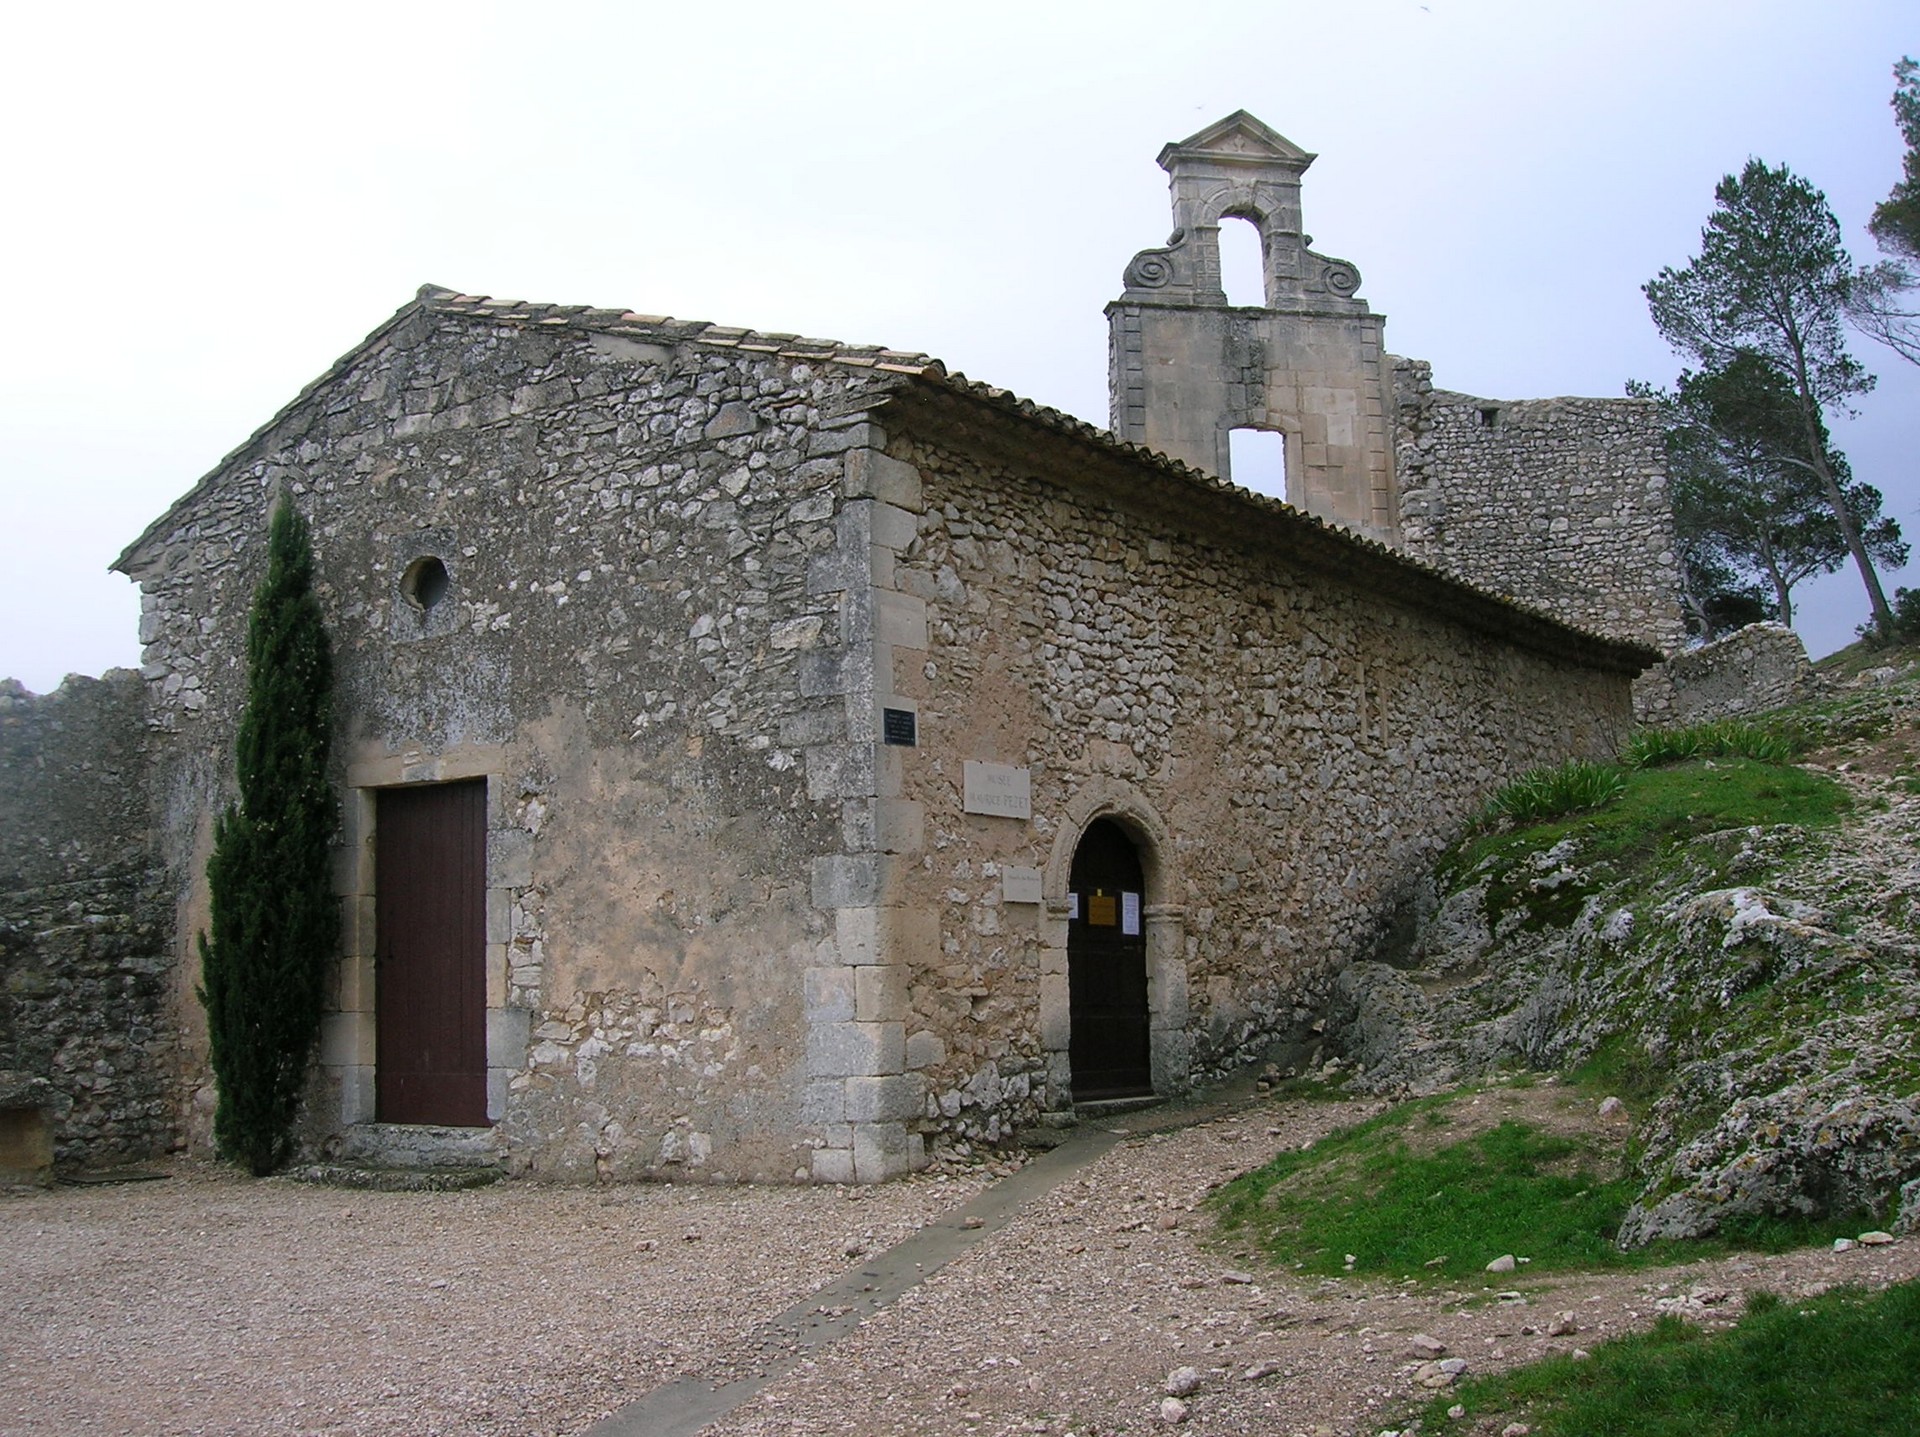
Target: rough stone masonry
{"points": [[794, 675]]}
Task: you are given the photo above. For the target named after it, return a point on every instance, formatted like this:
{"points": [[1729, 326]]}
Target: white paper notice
{"points": [[1130, 914]]}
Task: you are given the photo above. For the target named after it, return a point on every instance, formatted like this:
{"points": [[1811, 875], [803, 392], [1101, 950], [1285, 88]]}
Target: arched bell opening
{"points": [[1243, 262]]}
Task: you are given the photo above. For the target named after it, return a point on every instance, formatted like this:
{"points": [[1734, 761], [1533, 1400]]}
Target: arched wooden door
{"points": [[1110, 1048]]}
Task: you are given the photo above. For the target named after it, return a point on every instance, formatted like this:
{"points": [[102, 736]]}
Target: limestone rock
{"points": [[1539, 956], [1439, 1374]]}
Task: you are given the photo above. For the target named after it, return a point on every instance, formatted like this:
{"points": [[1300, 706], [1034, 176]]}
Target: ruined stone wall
{"points": [[643, 649], [83, 988], [84, 943], [1760, 667], [1559, 503], [1290, 749], [73, 770]]}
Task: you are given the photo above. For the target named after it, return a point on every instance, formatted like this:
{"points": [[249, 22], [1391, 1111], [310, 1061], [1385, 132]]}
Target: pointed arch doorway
{"points": [[1111, 1045]]}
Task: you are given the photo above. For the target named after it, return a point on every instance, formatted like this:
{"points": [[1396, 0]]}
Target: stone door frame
{"points": [[1165, 919], [348, 1031]]}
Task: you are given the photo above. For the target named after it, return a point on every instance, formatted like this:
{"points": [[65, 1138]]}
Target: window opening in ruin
{"points": [[1243, 270], [1257, 460], [1490, 418], [425, 582]]}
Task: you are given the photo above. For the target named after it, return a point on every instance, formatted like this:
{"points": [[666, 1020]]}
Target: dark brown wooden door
{"points": [[1110, 1048], [430, 914]]}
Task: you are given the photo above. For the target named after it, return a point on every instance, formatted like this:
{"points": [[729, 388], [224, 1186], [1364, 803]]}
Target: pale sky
{"points": [[207, 204]]}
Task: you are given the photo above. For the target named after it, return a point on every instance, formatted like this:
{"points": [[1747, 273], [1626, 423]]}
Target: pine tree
{"points": [[274, 917], [1885, 299], [1772, 280], [1896, 219], [1747, 503]]}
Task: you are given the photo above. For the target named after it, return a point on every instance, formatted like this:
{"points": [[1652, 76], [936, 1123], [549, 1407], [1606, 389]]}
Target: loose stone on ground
{"points": [[212, 1304]]}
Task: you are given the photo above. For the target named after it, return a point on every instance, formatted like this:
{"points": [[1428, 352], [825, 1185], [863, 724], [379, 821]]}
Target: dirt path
{"points": [[207, 1304]]}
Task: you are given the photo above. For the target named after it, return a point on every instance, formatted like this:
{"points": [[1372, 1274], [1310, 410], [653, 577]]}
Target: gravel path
{"points": [[211, 1304], [208, 1304]]}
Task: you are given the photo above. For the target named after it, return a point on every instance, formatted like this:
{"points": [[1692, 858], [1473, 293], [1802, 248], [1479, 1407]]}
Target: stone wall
{"points": [[648, 646], [1288, 744], [660, 585], [1559, 503], [84, 945], [73, 772], [85, 969], [1760, 667]]}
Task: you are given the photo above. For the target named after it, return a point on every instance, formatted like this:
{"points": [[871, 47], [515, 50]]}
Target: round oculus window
{"points": [[425, 582]]}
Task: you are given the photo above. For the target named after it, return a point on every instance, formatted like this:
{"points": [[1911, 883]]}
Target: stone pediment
{"points": [[1239, 138]]}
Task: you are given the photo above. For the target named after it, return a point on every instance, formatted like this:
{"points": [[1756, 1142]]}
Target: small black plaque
{"points": [[897, 726]]}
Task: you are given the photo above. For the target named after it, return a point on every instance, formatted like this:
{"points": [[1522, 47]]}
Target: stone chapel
{"points": [[763, 757]]}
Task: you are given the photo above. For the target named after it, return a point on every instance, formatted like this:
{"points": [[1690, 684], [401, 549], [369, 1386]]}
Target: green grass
{"points": [[1661, 807], [1622, 1068], [1866, 654], [1366, 1190], [1728, 738], [1406, 1202], [1546, 793], [1659, 812], [1840, 1365]]}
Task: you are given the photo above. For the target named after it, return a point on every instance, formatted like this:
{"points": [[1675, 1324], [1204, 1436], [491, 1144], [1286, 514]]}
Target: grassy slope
{"points": [[1840, 1365], [1401, 1196]]}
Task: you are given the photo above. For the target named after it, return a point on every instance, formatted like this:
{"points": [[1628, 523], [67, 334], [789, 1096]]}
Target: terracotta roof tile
{"points": [[726, 336]]}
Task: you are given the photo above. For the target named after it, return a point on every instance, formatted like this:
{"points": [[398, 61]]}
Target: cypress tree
{"points": [[274, 917]]}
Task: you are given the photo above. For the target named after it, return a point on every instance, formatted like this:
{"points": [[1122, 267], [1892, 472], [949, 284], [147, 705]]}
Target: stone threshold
{"points": [[1095, 1109], [406, 1157], [375, 1178]]}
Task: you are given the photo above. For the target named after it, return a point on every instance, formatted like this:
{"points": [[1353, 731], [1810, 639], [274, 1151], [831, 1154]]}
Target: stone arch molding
{"points": [[1237, 202], [1119, 800], [1165, 921]]}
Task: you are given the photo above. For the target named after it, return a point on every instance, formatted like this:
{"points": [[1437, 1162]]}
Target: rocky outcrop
{"points": [[1765, 980]]}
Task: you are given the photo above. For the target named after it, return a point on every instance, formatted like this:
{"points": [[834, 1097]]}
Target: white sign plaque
{"points": [[1020, 885], [999, 789]]}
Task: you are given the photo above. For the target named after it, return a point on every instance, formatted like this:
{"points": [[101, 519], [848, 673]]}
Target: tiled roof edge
{"points": [[678, 331]]}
